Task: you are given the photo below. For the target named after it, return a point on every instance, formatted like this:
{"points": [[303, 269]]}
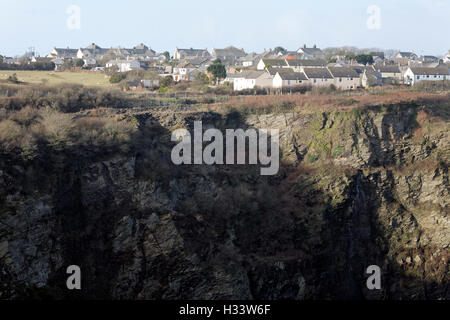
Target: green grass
{"points": [[86, 78]]}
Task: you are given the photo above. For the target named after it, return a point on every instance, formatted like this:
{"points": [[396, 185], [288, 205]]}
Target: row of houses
{"points": [[282, 78], [288, 73], [277, 68]]}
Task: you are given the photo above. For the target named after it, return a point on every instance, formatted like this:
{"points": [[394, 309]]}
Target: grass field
{"points": [[86, 78]]}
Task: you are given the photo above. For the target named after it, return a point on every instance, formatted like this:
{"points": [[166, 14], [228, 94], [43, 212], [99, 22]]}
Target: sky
{"points": [[421, 26]]}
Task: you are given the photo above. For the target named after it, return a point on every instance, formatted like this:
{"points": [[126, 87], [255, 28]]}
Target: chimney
{"points": [[314, 46], [304, 45]]}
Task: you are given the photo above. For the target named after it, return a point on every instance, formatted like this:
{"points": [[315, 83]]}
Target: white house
{"points": [[190, 53], [447, 57], [252, 79], [318, 76], [249, 60], [274, 63], [124, 65], [406, 55], [415, 75], [310, 53], [289, 79]]}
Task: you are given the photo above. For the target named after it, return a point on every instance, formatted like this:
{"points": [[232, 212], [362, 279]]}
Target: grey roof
{"points": [[317, 73], [388, 69], [229, 52], [405, 54], [234, 75], [198, 61], [310, 51], [361, 69], [306, 62], [138, 50], [343, 72], [250, 74], [66, 53], [193, 52], [275, 62], [430, 71], [292, 76], [250, 57], [273, 71], [377, 54]]}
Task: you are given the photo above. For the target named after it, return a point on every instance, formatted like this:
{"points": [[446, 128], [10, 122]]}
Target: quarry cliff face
{"points": [[357, 188]]}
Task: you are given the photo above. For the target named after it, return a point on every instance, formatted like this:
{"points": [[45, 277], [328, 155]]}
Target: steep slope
{"points": [[358, 187]]}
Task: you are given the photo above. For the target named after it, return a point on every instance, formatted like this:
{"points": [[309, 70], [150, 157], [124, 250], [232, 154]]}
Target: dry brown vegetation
{"points": [[28, 129], [313, 102], [71, 115]]}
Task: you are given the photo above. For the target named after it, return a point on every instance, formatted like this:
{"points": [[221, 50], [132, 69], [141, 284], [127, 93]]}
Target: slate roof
{"points": [[229, 52], [317, 73], [292, 76], [250, 74], [193, 52], [404, 54], [66, 53], [430, 71], [306, 62], [275, 62], [343, 72], [273, 71], [310, 51], [388, 69], [377, 54], [361, 69]]}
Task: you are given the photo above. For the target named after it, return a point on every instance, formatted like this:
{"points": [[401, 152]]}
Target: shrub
{"points": [[117, 77], [165, 82], [56, 127], [13, 78]]}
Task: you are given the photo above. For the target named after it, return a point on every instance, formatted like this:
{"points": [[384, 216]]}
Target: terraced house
{"points": [[345, 78], [180, 54], [299, 64], [318, 76], [415, 75], [288, 79], [229, 55], [63, 53], [268, 63]]}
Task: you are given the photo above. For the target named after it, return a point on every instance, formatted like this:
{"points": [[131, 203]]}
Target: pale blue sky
{"points": [[419, 25]]}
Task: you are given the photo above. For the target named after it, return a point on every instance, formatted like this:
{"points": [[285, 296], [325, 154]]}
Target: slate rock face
{"points": [[355, 189]]}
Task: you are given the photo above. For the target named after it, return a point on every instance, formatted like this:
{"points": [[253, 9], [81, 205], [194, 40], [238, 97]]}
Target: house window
{"points": [[340, 79], [418, 77], [351, 79], [428, 76], [315, 80]]}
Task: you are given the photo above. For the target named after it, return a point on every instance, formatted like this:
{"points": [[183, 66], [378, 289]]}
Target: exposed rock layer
{"points": [[357, 188]]}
